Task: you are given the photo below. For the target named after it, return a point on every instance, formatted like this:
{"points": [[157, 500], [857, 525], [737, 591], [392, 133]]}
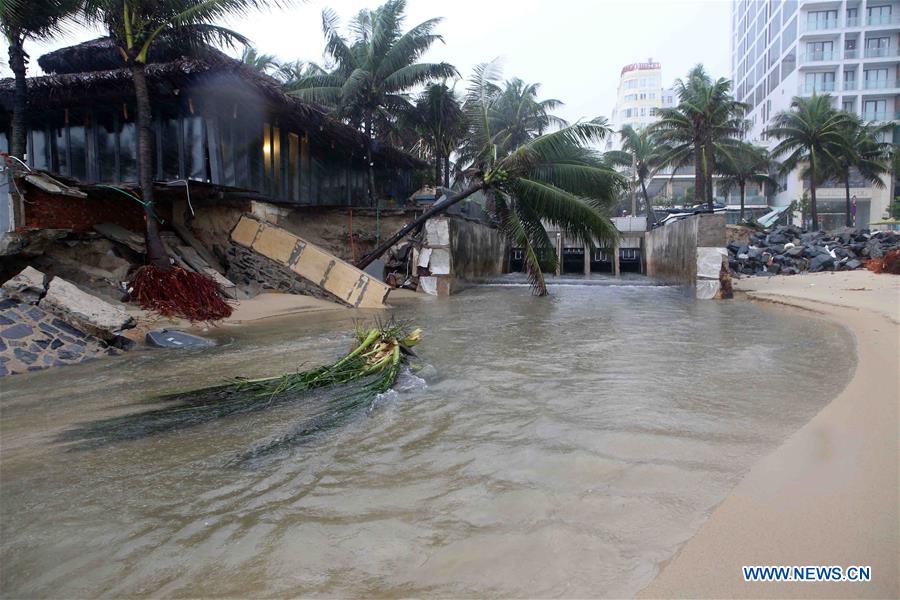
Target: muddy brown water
{"points": [[564, 446]]}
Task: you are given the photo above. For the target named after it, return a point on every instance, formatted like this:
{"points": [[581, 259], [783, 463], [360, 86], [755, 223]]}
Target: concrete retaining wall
{"points": [[477, 251], [689, 252]]}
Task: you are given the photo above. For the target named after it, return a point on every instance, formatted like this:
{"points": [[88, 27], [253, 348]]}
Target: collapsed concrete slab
{"points": [[27, 287], [86, 312], [340, 279]]}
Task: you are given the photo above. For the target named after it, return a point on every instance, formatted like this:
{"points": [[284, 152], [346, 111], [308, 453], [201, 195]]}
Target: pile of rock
{"points": [[787, 250], [45, 324]]}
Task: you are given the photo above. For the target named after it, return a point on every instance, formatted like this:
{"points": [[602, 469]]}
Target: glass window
{"points": [[128, 158], [195, 148], [294, 166], [39, 150], [169, 149], [78, 152], [106, 146]]}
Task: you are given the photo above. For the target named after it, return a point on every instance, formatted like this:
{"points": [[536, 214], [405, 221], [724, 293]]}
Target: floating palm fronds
{"points": [[354, 381]]}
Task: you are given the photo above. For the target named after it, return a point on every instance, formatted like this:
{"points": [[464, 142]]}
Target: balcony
{"points": [[818, 56], [853, 22], [879, 84], [820, 25], [880, 20], [854, 53], [881, 52], [849, 86], [816, 88], [880, 115]]}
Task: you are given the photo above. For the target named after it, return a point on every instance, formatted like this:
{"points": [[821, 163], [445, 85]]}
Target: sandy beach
{"points": [[829, 495]]}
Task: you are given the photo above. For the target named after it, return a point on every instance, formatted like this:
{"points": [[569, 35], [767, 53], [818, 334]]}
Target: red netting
{"points": [[889, 263], [176, 292]]}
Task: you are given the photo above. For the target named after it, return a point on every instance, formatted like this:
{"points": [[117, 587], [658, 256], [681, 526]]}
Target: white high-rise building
{"points": [[639, 94], [849, 49]]}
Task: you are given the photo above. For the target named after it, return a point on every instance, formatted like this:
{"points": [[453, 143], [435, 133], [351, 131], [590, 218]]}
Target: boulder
{"points": [[26, 287], [820, 262], [84, 311]]}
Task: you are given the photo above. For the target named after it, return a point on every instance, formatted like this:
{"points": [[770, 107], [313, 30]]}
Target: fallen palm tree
{"points": [[369, 369], [176, 292]]}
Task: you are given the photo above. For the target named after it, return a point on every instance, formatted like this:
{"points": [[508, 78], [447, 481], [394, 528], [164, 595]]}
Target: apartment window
{"points": [[790, 7], [878, 46], [879, 15], [788, 64], [852, 17], [821, 19], [848, 106], [790, 33], [875, 79], [820, 82], [819, 50], [850, 79], [774, 53], [875, 110]]}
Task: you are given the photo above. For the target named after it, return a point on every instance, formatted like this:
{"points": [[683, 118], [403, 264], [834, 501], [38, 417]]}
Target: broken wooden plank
{"points": [[198, 247], [122, 236]]}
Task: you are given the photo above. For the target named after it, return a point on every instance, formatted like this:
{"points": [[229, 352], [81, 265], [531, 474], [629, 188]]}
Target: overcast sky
{"points": [[574, 48]]}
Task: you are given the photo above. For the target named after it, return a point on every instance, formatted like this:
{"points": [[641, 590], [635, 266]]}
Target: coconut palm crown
{"points": [[643, 156], [706, 121], [374, 69], [809, 134], [741, 165]]}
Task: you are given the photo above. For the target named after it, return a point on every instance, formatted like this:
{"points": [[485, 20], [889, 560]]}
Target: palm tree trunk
{"points": [[812, 191], [156, 251], [706, 183], [17, 145], [437, 170], [369, 163], [651, 219], [743, 187], [446, 171], [849, 220], [699, 182], [417, 222]]}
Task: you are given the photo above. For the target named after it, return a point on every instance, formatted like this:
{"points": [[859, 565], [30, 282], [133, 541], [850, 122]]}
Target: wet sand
{"points": [[829, 495]]}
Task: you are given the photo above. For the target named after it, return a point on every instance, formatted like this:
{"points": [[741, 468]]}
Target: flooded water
{"points": [[560, 446]]}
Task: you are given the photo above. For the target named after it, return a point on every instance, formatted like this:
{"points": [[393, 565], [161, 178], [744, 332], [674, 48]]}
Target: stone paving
{"points": [[33, 339]]}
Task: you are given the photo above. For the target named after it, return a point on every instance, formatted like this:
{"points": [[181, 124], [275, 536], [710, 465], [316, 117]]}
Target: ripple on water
{"points": [[561, 446]]}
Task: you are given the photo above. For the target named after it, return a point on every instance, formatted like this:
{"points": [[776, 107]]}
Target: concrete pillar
{"points": [[617, 270], [587, 260], [559, 253]]}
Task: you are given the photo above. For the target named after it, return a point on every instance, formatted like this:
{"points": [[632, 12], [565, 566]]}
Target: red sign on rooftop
{"points": [[644, 66]]}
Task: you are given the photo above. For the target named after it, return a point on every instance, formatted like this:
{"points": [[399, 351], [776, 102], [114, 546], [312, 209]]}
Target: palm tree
{"points": [[518, 116], [706, 120], [859, 151], [264, 63], [137, 26], [643, 156], [810, 132], [554, 178], [438, 120], [19, 21], [374, 70], [743, 164], [292, 73]]}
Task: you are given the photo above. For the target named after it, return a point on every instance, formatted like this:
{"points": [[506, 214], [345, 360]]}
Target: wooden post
{"points": [[615, 258], [587, 260]]}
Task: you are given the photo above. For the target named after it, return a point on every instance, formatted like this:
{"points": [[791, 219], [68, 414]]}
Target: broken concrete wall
{"points": [[689, 251], [477, 251]]}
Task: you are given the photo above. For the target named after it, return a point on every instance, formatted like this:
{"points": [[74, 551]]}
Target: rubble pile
{"points": [[787, 250]]}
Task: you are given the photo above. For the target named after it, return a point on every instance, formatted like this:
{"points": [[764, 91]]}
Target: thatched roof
{"points": [[100, 54], [210, 69]]}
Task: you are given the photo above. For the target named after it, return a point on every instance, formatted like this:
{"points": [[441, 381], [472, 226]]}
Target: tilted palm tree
{"points": [[374, 70], [743, 164], [859, 152], [19, 21], [440, 125], [643, 157], [706, 120], [809, 133], [554, 178], [136, 26], [264, 63]]}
